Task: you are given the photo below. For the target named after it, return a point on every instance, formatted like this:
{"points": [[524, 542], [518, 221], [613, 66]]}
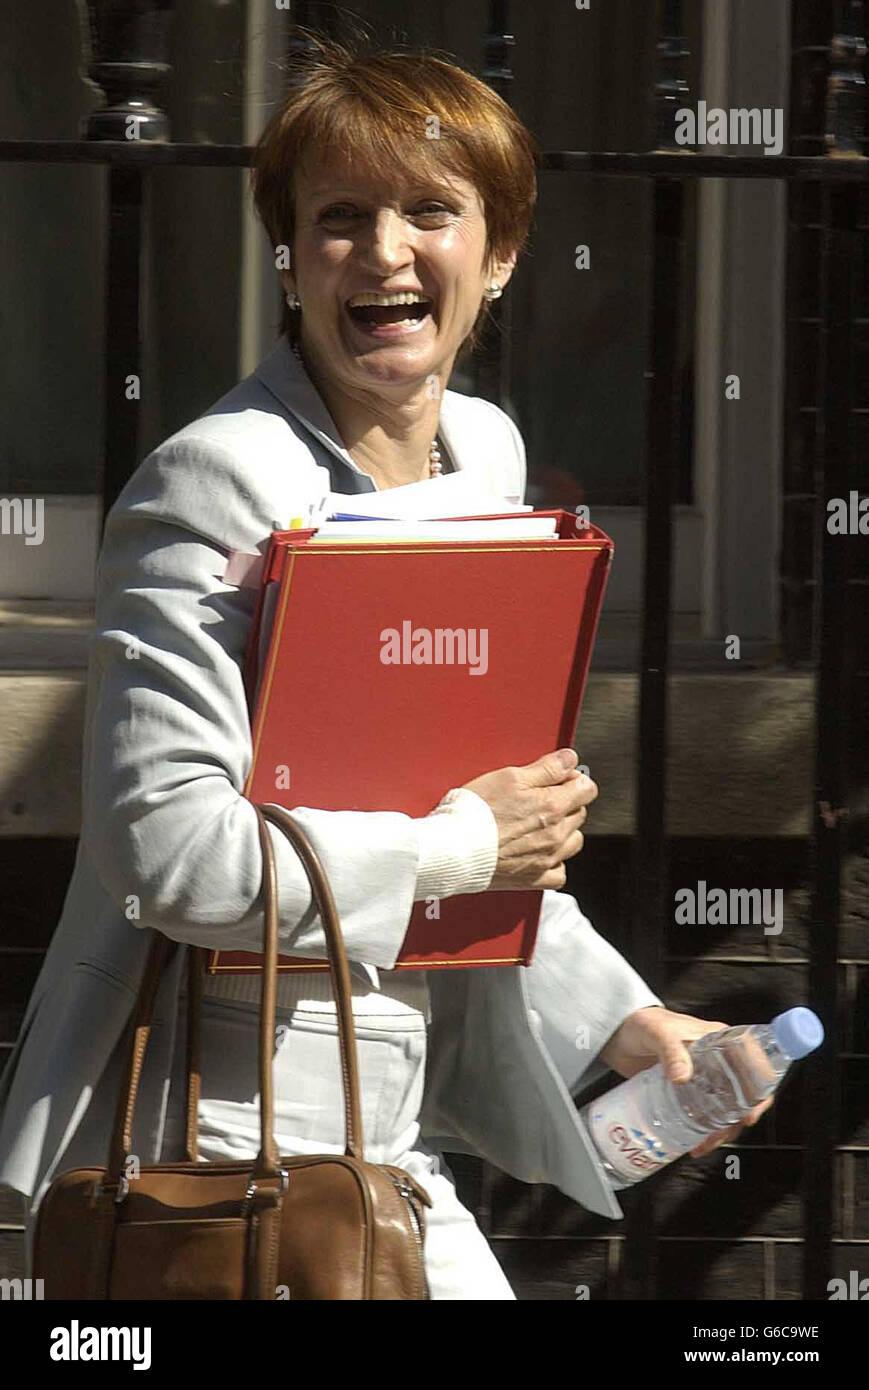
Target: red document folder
{"points": [[336, 728]]}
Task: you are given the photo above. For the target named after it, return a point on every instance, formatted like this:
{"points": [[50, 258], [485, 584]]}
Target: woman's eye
{"points": [[432, 210], [340, 212]]}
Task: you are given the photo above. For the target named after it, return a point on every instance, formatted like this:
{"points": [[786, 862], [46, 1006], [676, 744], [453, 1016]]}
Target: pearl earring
{"points": [[494, 291], [293, 300]]}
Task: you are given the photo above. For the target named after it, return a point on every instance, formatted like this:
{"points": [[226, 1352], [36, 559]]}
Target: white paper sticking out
{"points": [[449, 494], [518, 528]]}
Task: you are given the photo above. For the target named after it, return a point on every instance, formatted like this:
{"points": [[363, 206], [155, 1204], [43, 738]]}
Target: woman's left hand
{"points": [[658, 1035]]}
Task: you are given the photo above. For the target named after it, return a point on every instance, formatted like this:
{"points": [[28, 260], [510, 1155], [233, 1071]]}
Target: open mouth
{"points": [[381, 311]]}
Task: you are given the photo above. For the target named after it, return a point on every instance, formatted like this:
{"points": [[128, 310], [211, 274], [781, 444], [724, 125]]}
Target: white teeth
{"points": [[407, 297]]}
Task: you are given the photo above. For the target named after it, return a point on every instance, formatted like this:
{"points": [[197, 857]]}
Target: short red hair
{"points": [[375, 108]]}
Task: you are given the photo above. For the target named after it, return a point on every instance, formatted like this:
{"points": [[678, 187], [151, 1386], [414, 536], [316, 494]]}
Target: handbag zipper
{"points": [[408, 1194]]}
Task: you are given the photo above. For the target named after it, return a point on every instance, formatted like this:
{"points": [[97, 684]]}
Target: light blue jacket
{"points": [[168, 841]]}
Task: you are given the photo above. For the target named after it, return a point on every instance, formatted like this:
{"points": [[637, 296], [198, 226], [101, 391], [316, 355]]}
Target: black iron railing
{"points": [[836, 163]]}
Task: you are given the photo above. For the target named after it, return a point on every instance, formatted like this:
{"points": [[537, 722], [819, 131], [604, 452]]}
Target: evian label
{"points": [[618, 1127]]}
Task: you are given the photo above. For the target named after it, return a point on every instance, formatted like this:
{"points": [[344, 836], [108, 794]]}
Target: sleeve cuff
{"points": [[458, 846]]}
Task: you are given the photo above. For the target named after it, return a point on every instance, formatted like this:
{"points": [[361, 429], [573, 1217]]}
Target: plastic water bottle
{"points": [[648, 1121]]}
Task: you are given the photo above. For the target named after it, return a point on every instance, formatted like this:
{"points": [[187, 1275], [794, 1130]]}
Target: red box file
{"points": [[397, 736]]}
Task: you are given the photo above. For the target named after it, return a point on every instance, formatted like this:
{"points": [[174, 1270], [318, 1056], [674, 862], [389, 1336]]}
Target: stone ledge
{"points": [[740, 761], [44, 635]]}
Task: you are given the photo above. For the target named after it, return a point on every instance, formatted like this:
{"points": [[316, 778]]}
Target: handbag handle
{"points": [[339, 968], [267, 1162]]}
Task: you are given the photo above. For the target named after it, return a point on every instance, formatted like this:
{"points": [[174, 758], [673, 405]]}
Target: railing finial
{"points": [[128, 61], [671, 86], [846, 86], [496, 53]]}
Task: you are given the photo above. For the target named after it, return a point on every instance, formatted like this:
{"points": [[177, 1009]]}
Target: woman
{"points": [[398, 191]]}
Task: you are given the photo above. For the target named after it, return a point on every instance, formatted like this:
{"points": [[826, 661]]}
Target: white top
{"points": [[399, 992]]}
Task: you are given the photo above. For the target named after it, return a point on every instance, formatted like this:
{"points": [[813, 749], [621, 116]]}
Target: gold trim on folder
{"points": [[216, 969]]}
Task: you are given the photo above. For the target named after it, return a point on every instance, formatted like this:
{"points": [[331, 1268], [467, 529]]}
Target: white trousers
{"points": [[309, 1117]]}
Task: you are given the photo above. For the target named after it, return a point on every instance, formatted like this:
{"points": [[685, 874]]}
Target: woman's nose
{"points": [[387, 244]]}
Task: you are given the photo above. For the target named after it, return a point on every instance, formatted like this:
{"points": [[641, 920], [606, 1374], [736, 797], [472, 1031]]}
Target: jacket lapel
{"points": [[285, 377]]}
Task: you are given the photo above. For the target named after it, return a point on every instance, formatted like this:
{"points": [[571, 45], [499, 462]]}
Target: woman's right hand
{"points": [[539, 809]]}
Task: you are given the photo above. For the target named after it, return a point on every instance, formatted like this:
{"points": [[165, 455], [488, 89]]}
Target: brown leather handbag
{"points": [[324, 1226]]}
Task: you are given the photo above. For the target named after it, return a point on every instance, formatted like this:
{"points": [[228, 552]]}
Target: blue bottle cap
{"points": [[797, 1032]]}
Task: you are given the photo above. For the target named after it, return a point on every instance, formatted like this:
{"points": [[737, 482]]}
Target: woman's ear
{"points": [[288, 280], [501, 271]]}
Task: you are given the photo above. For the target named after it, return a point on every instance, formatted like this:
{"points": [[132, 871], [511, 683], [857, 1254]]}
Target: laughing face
{"points": [[390, 271]]}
